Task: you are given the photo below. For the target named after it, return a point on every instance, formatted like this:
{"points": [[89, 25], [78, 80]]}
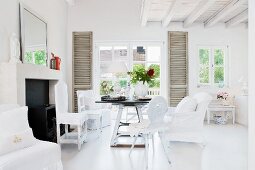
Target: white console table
{"points": [[221, 108]]}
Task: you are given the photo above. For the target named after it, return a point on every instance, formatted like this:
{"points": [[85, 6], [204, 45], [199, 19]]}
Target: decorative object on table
{"points": [[144, 98], [140, 77], [110, 98], [117, 68], [14, 49], [244, 88], [222, 96], [106, 88], [220, 120], [55, 62]]}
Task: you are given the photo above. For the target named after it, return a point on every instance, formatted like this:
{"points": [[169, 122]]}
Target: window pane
{"points": [[204, 75], [218, 75], [104, 67], [219, 57], [120, 53], [105, 53], [154, 54], [139, 53], [204, 56]]}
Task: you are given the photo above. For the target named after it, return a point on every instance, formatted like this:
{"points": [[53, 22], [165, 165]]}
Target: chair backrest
{"points": [[86, 100], [61, 97], [157, 109], [203, 100]]}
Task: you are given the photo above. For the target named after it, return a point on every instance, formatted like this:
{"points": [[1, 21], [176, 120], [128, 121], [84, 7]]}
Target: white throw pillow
{"points": [[14, 120], [187, 104], [15, 132], [16, 141]]}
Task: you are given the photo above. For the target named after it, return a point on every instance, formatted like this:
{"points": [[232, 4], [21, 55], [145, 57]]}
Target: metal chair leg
{"points": [[153, 147], [146, 151], [133, 145], [163, 142], [79, 137]]}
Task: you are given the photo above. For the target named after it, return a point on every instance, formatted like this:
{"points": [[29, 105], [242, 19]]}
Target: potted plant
{"points": [[140, 77]]}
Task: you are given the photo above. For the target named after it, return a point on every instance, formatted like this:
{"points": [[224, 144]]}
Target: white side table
{"points": [[221, 108]]}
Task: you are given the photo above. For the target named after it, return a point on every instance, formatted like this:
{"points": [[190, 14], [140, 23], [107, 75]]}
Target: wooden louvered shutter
{"points": [[178, 63], [82, 63]]}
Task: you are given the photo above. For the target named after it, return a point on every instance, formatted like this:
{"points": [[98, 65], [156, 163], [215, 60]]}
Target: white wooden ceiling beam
{"points": [[238, 19], [233, 5], [145, 9], [198, 11], [71, 2], [172, 9]]}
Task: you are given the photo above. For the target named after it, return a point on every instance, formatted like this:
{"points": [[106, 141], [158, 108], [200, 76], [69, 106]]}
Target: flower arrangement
{"points": [[141, 74], [222, 95], [106, 88]]}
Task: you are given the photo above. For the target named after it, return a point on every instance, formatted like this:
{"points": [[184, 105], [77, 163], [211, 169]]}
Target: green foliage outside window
{"points": [[29, 57], [204, 73], [39, 57]]}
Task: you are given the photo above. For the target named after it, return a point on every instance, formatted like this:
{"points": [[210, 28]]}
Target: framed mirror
{"points": [[33, 31]]}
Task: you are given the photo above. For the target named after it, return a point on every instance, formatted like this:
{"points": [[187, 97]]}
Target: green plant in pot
{"points": [[140, 77]]}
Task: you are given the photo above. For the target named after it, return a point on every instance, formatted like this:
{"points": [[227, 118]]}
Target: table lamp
{"points": [[115, 68]]}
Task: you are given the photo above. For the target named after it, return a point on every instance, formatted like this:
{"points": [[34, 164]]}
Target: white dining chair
{"points": [[157, 109], [86, 103], [67, 118]]}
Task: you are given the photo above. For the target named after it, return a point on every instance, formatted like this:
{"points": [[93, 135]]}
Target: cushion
{"points": [[187, 104], [6, 107], [15, 132], [13, 121], [16, 141]]}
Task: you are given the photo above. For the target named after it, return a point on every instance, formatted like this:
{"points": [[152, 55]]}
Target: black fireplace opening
{"points": [[41, 114], [37, 92]]}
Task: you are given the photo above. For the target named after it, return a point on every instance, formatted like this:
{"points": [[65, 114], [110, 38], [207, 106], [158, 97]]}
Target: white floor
{"points": [[226, 149]]}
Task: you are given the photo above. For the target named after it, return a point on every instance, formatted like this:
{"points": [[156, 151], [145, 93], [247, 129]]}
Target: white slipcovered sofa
{"points": [[19, 150]]}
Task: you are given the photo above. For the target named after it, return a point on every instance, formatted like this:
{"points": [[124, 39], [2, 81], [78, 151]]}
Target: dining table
{"points": [[138, 104]]}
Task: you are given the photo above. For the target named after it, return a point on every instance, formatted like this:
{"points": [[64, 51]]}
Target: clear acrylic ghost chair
{"points": [[157, 109], [67, 118], [86, 103], [188, 126]]}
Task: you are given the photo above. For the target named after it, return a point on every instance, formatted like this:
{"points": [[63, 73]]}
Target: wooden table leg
{"points": [[116, 127]]}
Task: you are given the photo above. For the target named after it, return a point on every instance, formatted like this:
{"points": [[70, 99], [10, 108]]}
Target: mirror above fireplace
{"points": [[33, 31]]}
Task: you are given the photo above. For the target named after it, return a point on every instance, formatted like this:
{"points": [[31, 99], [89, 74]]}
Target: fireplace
{"points": [[13, 88]]}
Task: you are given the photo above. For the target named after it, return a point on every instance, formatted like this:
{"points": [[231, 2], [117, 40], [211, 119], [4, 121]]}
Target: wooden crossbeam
{"points": [[145, 9], [198, 11], [232, 6], [238, 19], [172, 9]]}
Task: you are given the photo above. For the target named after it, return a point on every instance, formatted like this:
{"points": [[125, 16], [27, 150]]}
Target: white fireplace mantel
{"points": [[13, 79]]}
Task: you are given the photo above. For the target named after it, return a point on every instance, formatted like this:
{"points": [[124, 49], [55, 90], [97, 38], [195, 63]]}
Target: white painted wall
{"points": [[117, 20], [251, 84], [53, 11]]}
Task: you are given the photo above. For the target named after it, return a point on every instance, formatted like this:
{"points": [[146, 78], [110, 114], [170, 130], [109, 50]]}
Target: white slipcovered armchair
{"points": [[18, 147], [187, 126]]}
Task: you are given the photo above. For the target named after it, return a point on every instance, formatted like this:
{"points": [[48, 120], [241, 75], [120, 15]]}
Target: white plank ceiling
{"points": [[209, 12]]}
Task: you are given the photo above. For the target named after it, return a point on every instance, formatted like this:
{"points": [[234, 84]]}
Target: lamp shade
{"points": [[117, 67]]}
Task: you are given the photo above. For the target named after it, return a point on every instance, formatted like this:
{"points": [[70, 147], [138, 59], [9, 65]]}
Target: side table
{"points": [[221, 108]]}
